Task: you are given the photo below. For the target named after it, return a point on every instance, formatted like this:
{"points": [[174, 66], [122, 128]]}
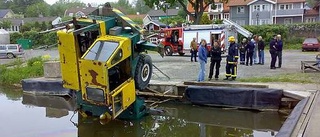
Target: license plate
{"points": [[310, 44]]}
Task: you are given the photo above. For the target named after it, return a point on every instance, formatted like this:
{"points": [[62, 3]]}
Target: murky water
{"points": [[24, 115]]}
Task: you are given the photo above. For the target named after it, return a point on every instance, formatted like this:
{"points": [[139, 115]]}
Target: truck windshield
{"points": [[101, 51]]}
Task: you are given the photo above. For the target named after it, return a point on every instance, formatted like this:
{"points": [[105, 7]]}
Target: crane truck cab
{"points": [[103, 60]]}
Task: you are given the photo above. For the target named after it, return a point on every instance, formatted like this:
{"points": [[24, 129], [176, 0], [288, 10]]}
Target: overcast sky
{"points": [[88, 1]]}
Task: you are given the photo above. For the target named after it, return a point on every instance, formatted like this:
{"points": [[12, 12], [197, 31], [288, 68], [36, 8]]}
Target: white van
{"points": [[10, 50]]}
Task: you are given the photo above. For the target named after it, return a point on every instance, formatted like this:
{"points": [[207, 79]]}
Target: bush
{"points": [[15, 36], [34, 68]]}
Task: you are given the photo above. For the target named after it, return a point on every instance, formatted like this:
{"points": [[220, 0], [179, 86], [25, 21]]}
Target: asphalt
{"points": [[180, 68]]}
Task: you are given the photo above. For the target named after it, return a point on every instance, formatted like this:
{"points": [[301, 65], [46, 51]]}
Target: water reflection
{"points": [[27, 118], [183, 120], [12, 93]]}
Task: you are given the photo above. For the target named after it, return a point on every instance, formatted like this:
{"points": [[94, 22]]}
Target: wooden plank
{"points": [[299, 128], [312, 128], [299, 95]]}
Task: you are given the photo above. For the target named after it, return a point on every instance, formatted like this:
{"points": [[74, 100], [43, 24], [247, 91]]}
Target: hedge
{"points": [[36, 38]]}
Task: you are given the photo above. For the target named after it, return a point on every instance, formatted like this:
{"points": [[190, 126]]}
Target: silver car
{"points": [[10, 50]]}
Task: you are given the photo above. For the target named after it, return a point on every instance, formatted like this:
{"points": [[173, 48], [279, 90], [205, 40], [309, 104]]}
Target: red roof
{"points": [[311, 12]]}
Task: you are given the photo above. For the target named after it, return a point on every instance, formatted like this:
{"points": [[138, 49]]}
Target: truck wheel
{"points": [[181, 54], [168, 50], [10, 56], [143, 72]]}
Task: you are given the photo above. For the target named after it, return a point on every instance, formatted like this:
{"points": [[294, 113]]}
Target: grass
{"points": [[18, 71], [290, 77]]}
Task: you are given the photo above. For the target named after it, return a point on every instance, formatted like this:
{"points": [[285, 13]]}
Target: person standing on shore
{"points": [[242, 50], [202, 60], [261, 46], [232, 59], [273, 52], [249, 52], [193, 50], [279, 50], [215, 60]]}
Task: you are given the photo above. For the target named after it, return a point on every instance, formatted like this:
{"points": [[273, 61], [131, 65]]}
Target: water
{"points": [[24, 115]]}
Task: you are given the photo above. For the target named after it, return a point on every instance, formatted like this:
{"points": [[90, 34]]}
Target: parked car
{"points": [[11, 50], [310, 44]]}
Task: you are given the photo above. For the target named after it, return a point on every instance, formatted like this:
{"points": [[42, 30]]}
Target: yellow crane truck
{"points": [[102, 60]]}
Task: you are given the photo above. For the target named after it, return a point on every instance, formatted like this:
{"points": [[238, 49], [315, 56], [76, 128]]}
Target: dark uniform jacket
{"points": [[242, 47], [261, 45], [273, 47], [215, 54], [250, 47], [233, 52]]}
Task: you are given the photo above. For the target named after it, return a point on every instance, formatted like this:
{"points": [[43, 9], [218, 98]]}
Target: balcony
{"points": [[288, 12]]}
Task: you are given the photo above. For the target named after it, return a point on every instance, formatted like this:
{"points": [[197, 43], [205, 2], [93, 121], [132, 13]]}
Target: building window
{"points": [[256, 7], [217, 8], [285, 6], [241, 22], [310, 19], [240, 9], [226, 16], [215, 17], [265, 7], [288, 21]]}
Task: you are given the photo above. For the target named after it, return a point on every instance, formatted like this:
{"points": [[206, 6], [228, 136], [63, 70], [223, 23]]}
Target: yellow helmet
{"points": [[231, 39]]}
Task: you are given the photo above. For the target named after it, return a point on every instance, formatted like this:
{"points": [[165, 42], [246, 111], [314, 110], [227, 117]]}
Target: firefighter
{"points": [[242, 50], [232, 59]]}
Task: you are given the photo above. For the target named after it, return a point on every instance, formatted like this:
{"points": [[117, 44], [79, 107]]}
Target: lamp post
{"points": [[166, 6], [257, 17]]}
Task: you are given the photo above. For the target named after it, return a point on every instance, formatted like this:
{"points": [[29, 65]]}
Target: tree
{"points": [[6, 24], [35, 10], [124, 6], [43, 26], [58, 8], [198, 5], [205, 19], [141, 7]]}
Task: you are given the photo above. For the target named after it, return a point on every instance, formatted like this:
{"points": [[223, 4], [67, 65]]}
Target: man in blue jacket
{"points": [[232, 59], [250, 51], [279, 47], [273, 51]]}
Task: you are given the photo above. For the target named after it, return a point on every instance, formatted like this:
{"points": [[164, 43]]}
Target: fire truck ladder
{"points": [[239, 29]]}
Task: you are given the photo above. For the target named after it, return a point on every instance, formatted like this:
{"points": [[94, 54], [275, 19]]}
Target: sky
{"points": [[87, 1]]}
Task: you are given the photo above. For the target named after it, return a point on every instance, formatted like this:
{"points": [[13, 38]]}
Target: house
{"points": [[312, 14], [79, 11], [220, 12], [152, 25], [6, 13], [18, 22], [160, 14], [253, 12]]}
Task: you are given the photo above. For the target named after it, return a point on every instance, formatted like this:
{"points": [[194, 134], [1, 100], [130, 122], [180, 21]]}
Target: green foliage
{"points": [[218, 21], [137, 20], [37, 9], [14, 75], [43, 26], [290, 77], [173, 21], [15, 36], [205, 19], [141, 7], [58, 8], [182, 13], [124, 6], [6, 24], [36, 38]]}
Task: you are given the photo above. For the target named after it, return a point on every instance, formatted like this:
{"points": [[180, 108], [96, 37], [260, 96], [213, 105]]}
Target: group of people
{"points": [[250, 52]]}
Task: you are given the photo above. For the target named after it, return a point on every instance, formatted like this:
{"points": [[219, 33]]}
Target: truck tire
{"points": [[168, 50], [143, 72], [181, 54], [10, 56]]}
